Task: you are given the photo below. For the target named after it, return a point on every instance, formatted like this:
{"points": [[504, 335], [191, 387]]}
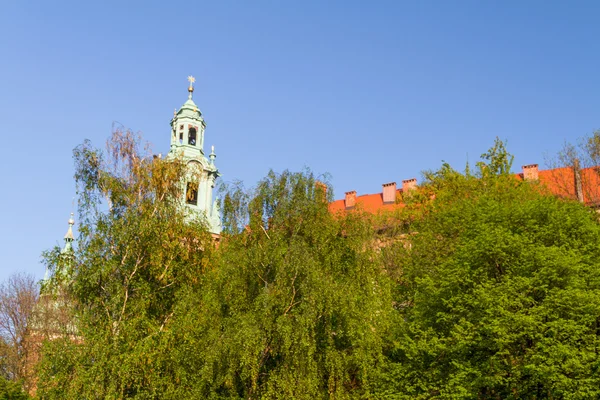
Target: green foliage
{"points": [[499, 160], [296, 307], [498, 295], [486, 288], [11, 390], [136, 251], [234, 207], [293, 304]]}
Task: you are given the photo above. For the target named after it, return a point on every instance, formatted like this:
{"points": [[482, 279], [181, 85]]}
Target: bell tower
{"points": [[187, 141]]}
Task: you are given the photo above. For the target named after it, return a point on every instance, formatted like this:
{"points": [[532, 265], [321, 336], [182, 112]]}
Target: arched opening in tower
{"points": [[192, 136], [191, 193]]}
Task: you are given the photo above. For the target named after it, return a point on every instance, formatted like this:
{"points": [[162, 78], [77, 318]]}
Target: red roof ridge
{"points": [[560, 181]]}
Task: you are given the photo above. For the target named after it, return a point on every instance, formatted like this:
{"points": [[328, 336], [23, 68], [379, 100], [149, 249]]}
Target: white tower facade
{"points": [[187, 141]]}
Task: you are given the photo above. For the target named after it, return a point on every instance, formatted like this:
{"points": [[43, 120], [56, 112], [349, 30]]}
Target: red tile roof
{"points": [[560, 181], [372, 203]]}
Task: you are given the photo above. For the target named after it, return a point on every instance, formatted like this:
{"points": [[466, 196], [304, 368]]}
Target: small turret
{"points": [[69, 238], [66, 252]]}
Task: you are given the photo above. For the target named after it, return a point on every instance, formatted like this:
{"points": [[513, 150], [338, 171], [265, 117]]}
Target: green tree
{"points": [[136, 251], [498, 295], [296, 307], [11, 390], [499, 160]]}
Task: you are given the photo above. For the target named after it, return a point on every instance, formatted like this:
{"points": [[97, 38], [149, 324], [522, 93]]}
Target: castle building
{"points": [[187, 142]]}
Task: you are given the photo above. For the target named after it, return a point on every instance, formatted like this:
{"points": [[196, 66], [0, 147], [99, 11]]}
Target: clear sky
{"points": [[368, 91]]}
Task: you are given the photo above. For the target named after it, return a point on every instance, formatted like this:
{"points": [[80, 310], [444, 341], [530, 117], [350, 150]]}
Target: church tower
{"points": [[187, 141]]}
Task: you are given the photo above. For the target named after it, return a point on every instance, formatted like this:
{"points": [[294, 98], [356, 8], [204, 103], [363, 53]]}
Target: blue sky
{"points": [[370, 92]]}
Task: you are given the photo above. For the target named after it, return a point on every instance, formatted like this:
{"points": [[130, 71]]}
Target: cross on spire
{"points": [[191, 80]]}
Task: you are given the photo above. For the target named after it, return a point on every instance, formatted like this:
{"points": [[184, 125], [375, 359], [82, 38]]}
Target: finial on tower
{"points": [[69, 238], [191, 80], [69, 235]]}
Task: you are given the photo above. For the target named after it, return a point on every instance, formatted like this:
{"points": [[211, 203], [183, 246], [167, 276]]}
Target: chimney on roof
{"points": [[389, 193], [530, 172], [409, 184], [350, 200]]}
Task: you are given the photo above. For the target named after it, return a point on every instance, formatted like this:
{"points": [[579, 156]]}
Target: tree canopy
{"points": [[296, 306], [490, 289], [291, 305], [498, 295], [135, 252]]}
